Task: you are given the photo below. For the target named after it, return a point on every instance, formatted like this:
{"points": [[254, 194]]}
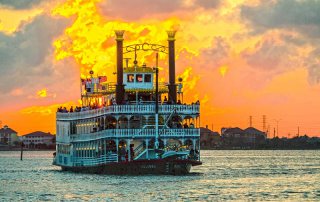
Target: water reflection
{"points": [[225, 175]]}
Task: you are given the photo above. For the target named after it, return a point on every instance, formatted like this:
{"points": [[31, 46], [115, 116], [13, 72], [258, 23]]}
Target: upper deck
{"points": [[142, 109]]}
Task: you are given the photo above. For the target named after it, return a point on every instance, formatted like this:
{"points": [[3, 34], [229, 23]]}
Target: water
{"points": [[225, 175]]}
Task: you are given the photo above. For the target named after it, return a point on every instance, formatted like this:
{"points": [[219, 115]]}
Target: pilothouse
{"points": [[134, 126]]}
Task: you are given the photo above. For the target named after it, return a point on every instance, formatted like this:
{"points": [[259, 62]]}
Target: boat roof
{"points": [[138, 69]]}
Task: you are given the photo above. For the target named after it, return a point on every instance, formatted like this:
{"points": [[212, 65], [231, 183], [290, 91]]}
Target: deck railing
{"points": [[88, 161], [124, 109], [136, 133]]}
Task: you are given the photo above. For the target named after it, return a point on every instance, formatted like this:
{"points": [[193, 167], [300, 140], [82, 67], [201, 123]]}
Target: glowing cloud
{"points": [[223, 70], [42, 93]]}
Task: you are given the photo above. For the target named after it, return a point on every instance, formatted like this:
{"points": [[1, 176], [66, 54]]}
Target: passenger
{"points": [[198, 102], [123, 154], [71, 109], [179, 102], [179, 125], [59, 109], [191, 125], [185, 125], [165, 99]]}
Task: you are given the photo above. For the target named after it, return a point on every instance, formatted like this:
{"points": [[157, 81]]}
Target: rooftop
{"points": [[38, 134], [253, 131], [7, 130], [234, 130]]}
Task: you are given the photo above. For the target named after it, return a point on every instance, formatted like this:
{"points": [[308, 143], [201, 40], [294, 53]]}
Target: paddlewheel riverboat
{"points": [[134, 126]]}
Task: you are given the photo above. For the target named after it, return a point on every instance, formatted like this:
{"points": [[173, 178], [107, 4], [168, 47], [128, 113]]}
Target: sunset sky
{"points": [[239, 58]]}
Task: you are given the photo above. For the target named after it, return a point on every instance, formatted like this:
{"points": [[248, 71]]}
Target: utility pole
{"points": [[298, 131], [274, 132], [264, 121], [277, 121], [250, 121]]}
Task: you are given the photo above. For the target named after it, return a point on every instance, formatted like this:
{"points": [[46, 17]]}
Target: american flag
{"points": [[83, 81], [102, 79]]}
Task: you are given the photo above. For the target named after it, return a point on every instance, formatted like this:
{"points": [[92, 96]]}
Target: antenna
{"points": [[157, 104], [127, 61]]}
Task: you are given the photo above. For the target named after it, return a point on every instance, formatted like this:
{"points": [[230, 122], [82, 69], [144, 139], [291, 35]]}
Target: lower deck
{"points": [[104, 151]]}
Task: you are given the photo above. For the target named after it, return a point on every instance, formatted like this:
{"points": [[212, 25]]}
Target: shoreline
{"points": [[19, 149]]}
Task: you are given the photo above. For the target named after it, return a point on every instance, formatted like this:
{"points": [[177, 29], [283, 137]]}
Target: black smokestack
{"points": [[119, 86], [172, 67]]}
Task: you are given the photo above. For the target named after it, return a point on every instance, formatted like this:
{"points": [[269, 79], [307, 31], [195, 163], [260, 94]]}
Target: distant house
{"points": [[39, 139], [209, 138], [238, 138], [232, 132], [8, 136], [254, 135]]}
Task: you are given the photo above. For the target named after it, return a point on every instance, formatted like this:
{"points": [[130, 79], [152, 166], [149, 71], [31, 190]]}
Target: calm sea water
{"points": [[224, 175]]}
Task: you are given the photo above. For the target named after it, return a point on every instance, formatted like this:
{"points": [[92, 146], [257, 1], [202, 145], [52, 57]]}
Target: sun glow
{"points": [[223, 70], [42, 93]]}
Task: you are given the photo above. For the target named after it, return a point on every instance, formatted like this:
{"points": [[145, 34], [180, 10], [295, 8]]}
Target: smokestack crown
{"points": [[119, 35], [171, 35]]}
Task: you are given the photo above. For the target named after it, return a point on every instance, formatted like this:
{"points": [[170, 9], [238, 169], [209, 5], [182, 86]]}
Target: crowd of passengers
{"points": [[113, 102]]}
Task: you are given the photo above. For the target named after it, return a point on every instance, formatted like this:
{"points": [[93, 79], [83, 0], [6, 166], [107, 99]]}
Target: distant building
{"points": [[238, 138], [209, 139], [8, 136], [39, 139], [253, 135]]}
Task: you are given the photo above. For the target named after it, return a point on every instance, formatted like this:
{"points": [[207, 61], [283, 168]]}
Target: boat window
{"points": [[139, 78], [147, 78], [130, 78]]}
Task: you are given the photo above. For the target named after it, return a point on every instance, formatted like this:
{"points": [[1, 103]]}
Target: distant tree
{"points": [[54, 140]]}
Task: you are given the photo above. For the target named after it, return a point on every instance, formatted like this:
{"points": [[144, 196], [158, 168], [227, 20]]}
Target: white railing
{"points": [[136, 133], [124, 109], [89, 161]]}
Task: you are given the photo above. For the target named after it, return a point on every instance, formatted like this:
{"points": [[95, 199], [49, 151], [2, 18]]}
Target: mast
{"points": [[157, 104]]}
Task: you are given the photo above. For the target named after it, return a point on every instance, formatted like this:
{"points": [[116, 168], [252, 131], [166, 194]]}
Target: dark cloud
{"points": [[208, 3], [302, 16], [217, 53], [134, 10], [209, 59], [23, 55], [268, 55], [19, 4], [313, 64]]}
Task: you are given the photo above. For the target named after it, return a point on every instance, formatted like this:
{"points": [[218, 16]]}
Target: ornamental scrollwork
{"points": [[145, 47]]}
